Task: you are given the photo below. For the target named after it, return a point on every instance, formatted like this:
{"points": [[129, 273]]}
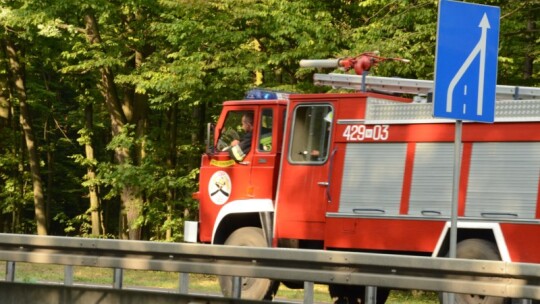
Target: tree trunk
{"points": [[130, 205], [50, 175], [171, 162], [135, 107], [6, 122], [4, 103], [17, 73], [5, 106], [529, 58], [95, 205]]}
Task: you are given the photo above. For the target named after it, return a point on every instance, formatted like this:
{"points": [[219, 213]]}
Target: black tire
{"points": [[349, 294], [476, 249], [252, 288]]}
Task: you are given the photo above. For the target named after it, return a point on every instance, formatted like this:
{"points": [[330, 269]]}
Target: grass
{"points": [[198, 283]]}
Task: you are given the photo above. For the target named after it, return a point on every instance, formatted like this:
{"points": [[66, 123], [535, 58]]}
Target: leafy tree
{"points": [[408, 29], [14, 50], [519, 50]]}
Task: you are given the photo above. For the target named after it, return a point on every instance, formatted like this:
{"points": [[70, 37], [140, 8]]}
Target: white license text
{"points": [[363, 132]]}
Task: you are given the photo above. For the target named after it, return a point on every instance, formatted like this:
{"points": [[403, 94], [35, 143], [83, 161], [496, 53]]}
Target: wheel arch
{"points": [[238, 214], [473, 230]]}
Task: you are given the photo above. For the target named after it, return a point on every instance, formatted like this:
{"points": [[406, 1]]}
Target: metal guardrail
{"points": [[492, 278]]}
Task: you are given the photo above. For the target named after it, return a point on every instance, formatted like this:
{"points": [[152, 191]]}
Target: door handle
{"points": [[330, 169], [431, 212], [324, 184]]}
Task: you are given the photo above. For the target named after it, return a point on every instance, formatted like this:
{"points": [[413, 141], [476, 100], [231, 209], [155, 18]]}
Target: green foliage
{"points": [[78, 225], [519, 54], [405, 29]]}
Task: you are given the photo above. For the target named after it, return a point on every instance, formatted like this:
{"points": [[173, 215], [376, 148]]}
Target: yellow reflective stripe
{"points": [[222, 163]]}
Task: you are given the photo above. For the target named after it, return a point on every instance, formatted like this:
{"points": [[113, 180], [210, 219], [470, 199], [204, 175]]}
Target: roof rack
{"points": [[410, 86]]}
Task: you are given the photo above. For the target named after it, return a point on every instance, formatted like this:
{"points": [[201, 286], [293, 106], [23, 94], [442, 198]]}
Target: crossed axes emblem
{"points": [[220, 184]]}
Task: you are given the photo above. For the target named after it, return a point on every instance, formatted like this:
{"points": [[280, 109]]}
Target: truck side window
{"points": [[265, 130], [232, 129], [310, 134]]}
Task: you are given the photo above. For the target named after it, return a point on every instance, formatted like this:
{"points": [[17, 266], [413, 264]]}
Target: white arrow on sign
{"points": [[479, 49]]}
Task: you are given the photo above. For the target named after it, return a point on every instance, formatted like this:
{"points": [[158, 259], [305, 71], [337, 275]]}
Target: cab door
{"points": [[303, 188], [222, 179], [267, 151]]}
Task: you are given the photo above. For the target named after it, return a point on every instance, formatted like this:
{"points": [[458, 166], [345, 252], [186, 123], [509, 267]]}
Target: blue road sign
{"points": [[466, 61]]}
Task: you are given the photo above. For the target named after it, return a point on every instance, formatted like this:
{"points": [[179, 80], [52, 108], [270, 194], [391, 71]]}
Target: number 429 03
{"points": [[363, 132]]}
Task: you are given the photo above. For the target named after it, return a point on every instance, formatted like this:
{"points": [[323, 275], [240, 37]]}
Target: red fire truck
{"points": [[371, 171]]}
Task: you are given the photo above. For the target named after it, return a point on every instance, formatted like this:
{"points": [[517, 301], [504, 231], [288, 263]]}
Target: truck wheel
{"points": [[349, 294], [252, 288], [476, 249]]}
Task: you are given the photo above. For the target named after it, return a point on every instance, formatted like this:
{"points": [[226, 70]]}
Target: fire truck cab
{"points": [[372, 172]]}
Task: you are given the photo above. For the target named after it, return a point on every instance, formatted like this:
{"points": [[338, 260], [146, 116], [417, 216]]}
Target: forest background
{"points": [[103, 103]]}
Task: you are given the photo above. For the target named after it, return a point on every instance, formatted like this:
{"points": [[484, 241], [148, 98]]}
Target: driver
{"points": [[239, 148], [316, 154]]}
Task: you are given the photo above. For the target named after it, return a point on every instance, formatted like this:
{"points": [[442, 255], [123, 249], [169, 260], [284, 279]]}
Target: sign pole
{"points": [[455, 187], [465, 79], [455, 197]]}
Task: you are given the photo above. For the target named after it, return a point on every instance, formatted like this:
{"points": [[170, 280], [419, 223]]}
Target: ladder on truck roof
{"points": [[410, 86], [514, 104]]}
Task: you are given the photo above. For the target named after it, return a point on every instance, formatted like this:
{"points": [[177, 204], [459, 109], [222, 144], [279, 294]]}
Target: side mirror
{"points": [[210, 148]]}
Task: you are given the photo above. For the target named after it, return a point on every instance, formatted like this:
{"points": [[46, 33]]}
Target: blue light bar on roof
{"points": [[264, 94]]}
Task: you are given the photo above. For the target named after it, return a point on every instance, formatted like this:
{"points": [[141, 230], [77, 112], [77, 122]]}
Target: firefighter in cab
{"points": [[240, 148]]}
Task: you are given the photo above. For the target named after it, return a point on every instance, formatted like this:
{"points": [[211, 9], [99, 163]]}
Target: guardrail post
{"points": [[371, 295], [308, 292], [10, 271], [68, 275], [448, 298], [236, 287], [118, 278], [183, 283]]}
